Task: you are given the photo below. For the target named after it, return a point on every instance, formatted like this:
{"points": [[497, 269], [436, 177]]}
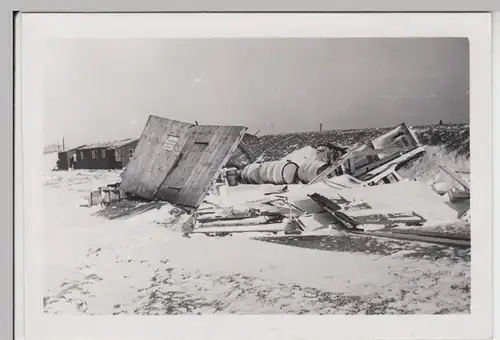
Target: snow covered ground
{"points": [[142, 265]]}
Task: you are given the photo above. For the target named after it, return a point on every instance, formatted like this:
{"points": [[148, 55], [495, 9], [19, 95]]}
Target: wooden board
{"points": [[156, 153], [371, 152], [390, 219], [206, 151], [273, 228], [453, 174], [241, 156], [417, 238], [125, 209], [446, 235]]}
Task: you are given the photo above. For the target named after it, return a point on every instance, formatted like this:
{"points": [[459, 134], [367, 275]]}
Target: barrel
{"points": [[250, 174], [309, 170], [279, 172], [95, 198], [232, 178]]}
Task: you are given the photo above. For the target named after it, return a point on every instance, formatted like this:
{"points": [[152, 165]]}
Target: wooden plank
{"points": [[324, 174], [137, 210], [388, 219], [453, 174], [417, 238], [154, 156], [247, 222], [235, 218], [334, 210], [246, 150], [374, 152], [395, 159], [446, 235], [277, 227]]}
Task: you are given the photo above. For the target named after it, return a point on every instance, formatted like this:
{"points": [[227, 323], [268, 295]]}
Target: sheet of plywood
{"points": [[206, 150], [156, 153]]}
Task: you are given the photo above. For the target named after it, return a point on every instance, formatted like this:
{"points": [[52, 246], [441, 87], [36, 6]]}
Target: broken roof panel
{"points": [[178, 162]]}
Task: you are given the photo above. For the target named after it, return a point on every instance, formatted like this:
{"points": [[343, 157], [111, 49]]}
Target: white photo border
{"points": [[37, 29]]}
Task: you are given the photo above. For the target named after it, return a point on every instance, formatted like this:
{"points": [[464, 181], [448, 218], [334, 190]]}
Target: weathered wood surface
{"points": [[417, 238], [438, 234], [241, 156], [125, 208], [371, 152], [247, 222], [453, 174], [334, 209], [390, 218], [153, 158], [274, 228], [235, 218], [206, 151]]}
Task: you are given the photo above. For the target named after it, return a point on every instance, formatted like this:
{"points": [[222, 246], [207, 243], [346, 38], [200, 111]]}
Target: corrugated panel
{"points": [[206, 151], [157, 151]]}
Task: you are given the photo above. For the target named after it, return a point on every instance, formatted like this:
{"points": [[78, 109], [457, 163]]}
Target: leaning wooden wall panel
{"points": [[154, 156], [208, 148], [213, 159]]}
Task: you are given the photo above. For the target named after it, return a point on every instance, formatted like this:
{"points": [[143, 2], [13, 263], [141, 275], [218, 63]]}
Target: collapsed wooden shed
{"points": [[178, 162]]}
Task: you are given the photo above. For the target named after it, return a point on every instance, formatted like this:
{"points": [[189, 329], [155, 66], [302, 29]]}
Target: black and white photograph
{"points": [[257, 176], [282, 175]]}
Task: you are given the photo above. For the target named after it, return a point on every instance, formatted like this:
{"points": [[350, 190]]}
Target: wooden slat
{"points": [[446, 235], [417, 238], [334, 210], [247, 222], [235, 218], [276, 227], [394, 159], [324, 174], [137, 210], [370, 152], [387, 219], [453, 174]]}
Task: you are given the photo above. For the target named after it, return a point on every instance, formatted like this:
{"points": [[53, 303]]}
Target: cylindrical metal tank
{"points": [[250, 174], [309, 170], [279, 172], [232, 178]]}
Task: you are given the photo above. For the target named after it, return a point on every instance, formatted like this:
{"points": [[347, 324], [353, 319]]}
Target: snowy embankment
{"points": [[142, 265]]}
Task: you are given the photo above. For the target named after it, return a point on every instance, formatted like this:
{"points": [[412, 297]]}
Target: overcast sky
{"points": [[100, 90]]}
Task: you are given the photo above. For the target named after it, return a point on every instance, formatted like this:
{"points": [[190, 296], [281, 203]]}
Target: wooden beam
{"points": [[370, 152], [235, 218], [246, 150], [242, 229], [323, 175], [453, 174], [446, 235], [417, 238], [334, 209]]}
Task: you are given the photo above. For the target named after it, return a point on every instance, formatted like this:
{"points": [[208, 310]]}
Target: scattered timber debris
{"points": [[223, 188]]}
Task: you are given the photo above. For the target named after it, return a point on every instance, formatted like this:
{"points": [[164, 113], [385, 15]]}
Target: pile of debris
{"points": [[225, 189]]}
